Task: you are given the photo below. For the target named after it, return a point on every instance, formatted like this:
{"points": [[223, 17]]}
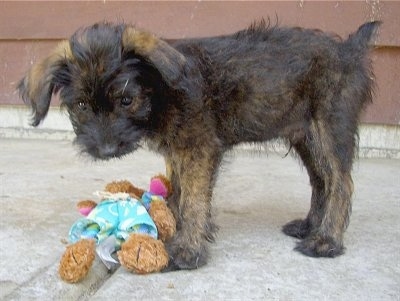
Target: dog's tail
{"points": [[361, 39], [360, 77]]}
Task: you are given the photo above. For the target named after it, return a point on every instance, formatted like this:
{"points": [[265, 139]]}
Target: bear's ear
{"points": [[45, 78], [178, 71]]}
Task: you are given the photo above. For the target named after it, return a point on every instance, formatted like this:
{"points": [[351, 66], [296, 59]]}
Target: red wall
{"points": [[29, 29]]}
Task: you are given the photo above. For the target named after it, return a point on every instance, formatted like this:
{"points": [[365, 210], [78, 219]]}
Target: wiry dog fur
{"points": [[195, 99]]}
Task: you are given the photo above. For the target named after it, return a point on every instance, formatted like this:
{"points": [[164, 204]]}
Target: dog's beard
{"points": [[115, 141]]}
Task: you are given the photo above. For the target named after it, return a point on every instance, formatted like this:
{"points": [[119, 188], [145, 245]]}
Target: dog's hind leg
{"points": [[328, 162], [301, 228]]}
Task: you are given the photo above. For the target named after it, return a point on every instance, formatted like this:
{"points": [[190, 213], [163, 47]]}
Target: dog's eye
{"points": [[126, 101], [82, 105]]}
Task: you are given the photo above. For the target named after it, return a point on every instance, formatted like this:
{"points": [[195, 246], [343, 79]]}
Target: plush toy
{"points": [[133, 222]]}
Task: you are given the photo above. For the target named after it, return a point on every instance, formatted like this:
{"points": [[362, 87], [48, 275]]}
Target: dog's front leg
{"points": [[175, 195], [192, 177]]}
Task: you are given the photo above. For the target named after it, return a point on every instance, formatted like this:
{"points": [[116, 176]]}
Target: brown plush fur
{"points": [[124, 186], [142, 254], [77, 261], [164, 219], [195, 99], [86, 204]]}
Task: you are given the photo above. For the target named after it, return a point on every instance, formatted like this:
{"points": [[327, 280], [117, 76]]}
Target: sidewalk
{"points": [[41, 181]]}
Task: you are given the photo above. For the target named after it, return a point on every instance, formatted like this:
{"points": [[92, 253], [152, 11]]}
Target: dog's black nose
{"points": [[108, 150]]}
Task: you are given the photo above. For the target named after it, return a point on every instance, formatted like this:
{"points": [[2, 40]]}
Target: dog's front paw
{"points": [[185, 253], [298, 228], [317, 245]]}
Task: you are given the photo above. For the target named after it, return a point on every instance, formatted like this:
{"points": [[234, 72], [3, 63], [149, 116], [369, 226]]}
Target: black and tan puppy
{"points": [[195, 99]]}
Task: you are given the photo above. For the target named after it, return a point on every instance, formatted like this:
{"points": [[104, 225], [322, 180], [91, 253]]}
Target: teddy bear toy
{"points": [[129, 221]]}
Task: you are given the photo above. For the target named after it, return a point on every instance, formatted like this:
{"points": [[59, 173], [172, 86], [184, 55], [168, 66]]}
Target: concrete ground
{"points": [[256, 194]]}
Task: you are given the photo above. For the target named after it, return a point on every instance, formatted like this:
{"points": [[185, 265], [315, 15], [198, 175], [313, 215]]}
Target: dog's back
{"points": [[266, 82]]}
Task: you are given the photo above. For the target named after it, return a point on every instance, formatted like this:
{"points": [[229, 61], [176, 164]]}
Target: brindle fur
{"points": [[195, 99]]}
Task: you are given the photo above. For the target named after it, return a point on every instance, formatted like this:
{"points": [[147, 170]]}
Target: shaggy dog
{"points": [[196, 98]]}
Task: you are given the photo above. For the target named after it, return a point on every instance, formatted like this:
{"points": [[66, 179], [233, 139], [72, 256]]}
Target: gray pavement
{"points": [[41, 181]]}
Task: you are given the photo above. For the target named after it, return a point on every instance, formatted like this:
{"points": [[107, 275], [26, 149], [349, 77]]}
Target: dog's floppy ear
{"points": [[43, 79], [178, 71]]}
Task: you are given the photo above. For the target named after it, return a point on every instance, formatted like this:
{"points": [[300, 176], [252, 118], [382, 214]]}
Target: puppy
{"points": [[195, 99]]}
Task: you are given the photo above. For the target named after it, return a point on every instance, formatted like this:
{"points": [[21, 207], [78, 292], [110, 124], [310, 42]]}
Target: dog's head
{"points": [[115, 82]]}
